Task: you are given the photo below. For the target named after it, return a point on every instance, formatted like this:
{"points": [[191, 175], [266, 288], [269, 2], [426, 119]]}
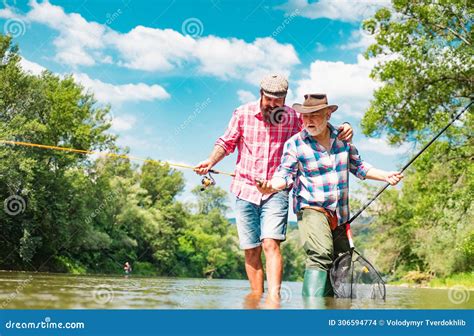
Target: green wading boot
{"points": [[316, 283]]}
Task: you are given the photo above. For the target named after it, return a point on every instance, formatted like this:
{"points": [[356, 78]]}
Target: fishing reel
{"points": [[207, 181]]}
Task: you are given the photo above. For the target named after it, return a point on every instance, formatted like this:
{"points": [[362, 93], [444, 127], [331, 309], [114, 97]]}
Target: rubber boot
{"points": [[315, 283]]}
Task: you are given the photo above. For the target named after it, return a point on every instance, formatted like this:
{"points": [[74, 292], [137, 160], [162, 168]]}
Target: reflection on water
{"points": [[57, 291]]}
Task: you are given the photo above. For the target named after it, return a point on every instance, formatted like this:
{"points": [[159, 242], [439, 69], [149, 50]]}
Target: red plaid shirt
{"points": [[260, 147]]}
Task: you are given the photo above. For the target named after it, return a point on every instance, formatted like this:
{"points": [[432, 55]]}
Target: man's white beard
{"points": [[315, 131]]}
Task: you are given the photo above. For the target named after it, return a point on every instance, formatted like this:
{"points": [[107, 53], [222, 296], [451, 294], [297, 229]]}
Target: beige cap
{"points": [[274, 86]]}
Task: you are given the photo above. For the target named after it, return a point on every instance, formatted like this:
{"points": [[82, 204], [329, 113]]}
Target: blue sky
{"points": [[174, 71]]}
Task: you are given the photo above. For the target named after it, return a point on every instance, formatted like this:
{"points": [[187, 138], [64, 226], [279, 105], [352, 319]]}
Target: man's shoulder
{"points": [[296, 138], [248, 108]]}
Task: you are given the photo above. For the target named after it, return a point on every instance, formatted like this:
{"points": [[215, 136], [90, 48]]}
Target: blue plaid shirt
{"points": [[321, 178]]}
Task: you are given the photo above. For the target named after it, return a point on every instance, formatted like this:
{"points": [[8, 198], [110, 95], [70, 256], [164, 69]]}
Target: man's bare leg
{"points": [[254, 269], [274, 265]]}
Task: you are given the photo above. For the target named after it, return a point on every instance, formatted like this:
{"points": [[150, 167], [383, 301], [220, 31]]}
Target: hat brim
{"points": [[274, 94], [310, 109]]}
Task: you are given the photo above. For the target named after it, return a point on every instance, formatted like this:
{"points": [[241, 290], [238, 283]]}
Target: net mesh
{"points": [[353, 276]]}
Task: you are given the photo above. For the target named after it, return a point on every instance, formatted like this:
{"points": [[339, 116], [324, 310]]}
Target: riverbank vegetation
{"points": [[66, 212]]}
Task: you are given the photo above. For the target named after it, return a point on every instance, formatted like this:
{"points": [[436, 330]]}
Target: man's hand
{"points": [[265, 187], [204, 167], [345, 132], [393, 177]]}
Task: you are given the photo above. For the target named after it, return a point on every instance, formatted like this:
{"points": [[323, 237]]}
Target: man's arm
{"points": [[216, 156], [381, 175], [363, 170], [285, 174]]}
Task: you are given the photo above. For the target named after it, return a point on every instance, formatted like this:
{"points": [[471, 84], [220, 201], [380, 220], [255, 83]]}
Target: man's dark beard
{"points": [[268, 113]]}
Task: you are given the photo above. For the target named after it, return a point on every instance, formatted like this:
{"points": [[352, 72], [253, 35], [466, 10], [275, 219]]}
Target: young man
{"points": [[317, 164], [259, 130]]}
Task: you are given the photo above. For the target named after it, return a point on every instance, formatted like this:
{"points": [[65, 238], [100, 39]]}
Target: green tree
{"points": [[48, 110], [427, 75]]}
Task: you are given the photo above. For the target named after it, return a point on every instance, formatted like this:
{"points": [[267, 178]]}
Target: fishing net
{"points": [[353, 276]]}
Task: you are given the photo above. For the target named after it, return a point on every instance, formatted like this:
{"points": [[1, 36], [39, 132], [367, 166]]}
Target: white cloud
{"points": [[320, 47], [77, 37], [106, 92], [381, 146], [31, 67], [359, 40], [347, 85], [246, 96], [109, 93], [235, 58], [152, 49], [123, 123], [343, 10], [83, 43]]}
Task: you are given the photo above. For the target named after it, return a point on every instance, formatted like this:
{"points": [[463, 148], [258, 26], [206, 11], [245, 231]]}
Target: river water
{"points": [[22, 290]]}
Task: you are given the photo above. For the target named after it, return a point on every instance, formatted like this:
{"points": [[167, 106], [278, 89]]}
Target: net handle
{"points": [[349, 236]]}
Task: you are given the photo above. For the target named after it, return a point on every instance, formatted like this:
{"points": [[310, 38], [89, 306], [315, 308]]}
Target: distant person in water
{"points": [[127, 268]]}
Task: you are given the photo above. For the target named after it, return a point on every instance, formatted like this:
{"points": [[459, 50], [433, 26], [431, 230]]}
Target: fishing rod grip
{"points": [[213, 171]]}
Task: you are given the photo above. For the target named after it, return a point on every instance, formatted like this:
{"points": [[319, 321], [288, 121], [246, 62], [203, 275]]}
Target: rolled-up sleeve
{"points": [[357, 166], [289, 163], [228, 141]]}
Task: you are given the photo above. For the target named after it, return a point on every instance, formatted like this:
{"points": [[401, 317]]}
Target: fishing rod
{"points": [[382, 189], [206, 181]]}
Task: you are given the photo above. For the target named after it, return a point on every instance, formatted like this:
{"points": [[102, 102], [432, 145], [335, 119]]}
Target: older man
{"points": [[317, 164], [259, 130]]}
